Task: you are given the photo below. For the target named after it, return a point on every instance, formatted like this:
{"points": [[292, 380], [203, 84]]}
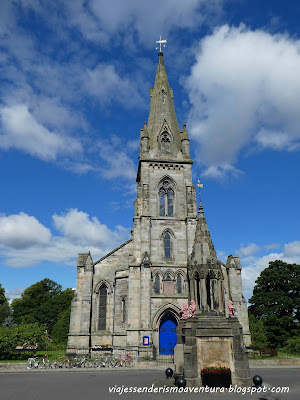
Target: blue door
{"points": [[167, 334]]}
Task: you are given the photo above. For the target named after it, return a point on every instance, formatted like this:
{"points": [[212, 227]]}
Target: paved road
{"points": [[94, 384]]}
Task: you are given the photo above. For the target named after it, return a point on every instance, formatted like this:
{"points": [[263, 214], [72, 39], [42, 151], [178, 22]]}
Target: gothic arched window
{"points": [[179, 284], [167, 245], [157, 285], [102, 307], [165, 144], [166, 200]]}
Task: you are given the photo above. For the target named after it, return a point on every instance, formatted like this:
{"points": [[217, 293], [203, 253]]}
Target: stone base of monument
{"points": [[210, 339]]}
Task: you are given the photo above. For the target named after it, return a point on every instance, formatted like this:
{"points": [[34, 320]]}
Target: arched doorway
{"points": [[167, 334]]}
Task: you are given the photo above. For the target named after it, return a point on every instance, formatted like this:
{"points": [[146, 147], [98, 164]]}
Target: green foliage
{"points": [[257, 330], [44, 303], [292, 345], [11, 337], [4, 306], [61, 328], [276, 301]]}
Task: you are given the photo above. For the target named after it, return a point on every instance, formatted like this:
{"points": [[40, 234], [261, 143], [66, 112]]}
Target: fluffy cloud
{"points": [[99, 20], [249, 250], [254, 264], [91, 230], [117, 161], [25, 242], [23, 132], [244, 89], [22, 231], [104, 83]]}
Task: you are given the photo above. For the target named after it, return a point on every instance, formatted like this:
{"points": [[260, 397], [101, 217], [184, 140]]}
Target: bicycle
{"points": [[36, 362], [81, 362], [62, 362]]}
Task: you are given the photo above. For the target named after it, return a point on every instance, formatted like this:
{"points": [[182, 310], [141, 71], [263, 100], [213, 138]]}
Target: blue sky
{"points": [[74, 93]]}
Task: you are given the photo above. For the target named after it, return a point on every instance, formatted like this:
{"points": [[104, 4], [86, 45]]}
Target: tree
{"points": [[61, 328], [10, 337], [4, 306], [276, 301], [43, 303], [258, 332]]}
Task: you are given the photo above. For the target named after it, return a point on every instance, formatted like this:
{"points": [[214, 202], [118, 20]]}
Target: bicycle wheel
{"points": [[29, 364], [67, 364], [87, 364], [45, 363]]}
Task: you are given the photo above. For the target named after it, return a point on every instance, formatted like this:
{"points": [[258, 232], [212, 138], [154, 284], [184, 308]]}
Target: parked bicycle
{"points": [[82, 362], [61, 362], [36, 362]]}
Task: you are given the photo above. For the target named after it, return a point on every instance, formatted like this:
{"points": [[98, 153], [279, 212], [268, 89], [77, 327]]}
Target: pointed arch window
{"points": [[167, 245], [166, 200], [179, 284], [157, 285], [165, 144], [102, 307]]}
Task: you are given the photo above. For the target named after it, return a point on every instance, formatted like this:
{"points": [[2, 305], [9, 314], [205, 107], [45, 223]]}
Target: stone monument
{"points": [[205, 337]]}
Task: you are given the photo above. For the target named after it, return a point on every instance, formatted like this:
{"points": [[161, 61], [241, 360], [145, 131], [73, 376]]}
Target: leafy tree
{"points": [[43, 303], [293, 345], [276, 301], [11, 337], [61, 328], [4, 306], [258, 332]]}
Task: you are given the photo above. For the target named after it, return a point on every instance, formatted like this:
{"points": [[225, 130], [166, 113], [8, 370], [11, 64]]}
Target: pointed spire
{"points": [[162, 113], [203, 251]]}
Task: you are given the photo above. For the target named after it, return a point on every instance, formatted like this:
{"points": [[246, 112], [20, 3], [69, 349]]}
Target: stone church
{"points": [[132, 297]]}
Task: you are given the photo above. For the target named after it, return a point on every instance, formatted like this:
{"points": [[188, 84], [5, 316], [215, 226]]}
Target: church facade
{"points": [[132, 297]]}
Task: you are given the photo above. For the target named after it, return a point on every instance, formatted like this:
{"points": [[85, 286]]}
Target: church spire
{"points": [[203, 251], [162, 128]]}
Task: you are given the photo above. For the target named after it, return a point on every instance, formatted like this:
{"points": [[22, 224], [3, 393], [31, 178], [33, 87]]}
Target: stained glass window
{"points": [[167, 245], [102, 307]]}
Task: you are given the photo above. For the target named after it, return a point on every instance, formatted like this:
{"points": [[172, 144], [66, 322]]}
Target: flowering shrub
{"points": [[215, 370]]}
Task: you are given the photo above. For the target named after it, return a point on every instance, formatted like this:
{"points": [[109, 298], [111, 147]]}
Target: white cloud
{"points": [[104, 83], [272, 246], [249, 250], [25, 242], [22, 231], [254, 265], [292, 249], [244, 89], [14, 293], [117, 160], [101, 21], [20, 130], [91, 230]]}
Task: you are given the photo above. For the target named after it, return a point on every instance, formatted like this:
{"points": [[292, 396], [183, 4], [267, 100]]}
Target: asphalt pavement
{"points": [[125, 384]]}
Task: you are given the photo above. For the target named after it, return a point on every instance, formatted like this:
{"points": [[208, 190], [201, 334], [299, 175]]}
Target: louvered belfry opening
{"points": [[102, 307]]}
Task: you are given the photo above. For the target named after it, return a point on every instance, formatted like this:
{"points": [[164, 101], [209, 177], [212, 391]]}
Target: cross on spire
{"points": [[160, 41]]}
